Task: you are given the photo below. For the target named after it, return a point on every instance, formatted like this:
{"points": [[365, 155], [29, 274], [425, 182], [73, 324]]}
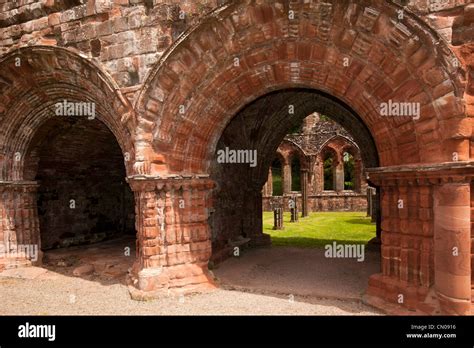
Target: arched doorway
{"points": [[358, 54], [66, 150], [83, 197]]}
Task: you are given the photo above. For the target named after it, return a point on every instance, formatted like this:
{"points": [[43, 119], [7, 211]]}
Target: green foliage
{"points": [[324, 118], [296, 129], [295, 175], [328, 174], [277, 179]]}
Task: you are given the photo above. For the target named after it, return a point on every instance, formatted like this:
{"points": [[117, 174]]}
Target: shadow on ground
{"points": [[300, 274], [106, 262]]}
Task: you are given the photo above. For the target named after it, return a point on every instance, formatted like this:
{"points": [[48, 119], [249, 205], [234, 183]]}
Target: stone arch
{"points": [[348, 146], [280, 156], [353, 57], [387, 59], [33, 79], [288, 151], [339, 144], [298, 152], [354, 151]]}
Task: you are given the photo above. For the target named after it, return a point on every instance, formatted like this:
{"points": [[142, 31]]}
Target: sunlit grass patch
{"points": [[319, 229]]}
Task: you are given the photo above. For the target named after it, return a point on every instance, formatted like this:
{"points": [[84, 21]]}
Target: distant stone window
{"points": [[295, 174], [328, 168], [277, 178], [349, 171]]}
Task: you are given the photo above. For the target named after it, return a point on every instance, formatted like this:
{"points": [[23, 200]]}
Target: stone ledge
{"points": [[423, 174], [422, 167]]}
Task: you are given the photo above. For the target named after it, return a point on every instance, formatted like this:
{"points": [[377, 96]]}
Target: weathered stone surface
{"points": [[83, 270], [170, 100], [316, 140]]}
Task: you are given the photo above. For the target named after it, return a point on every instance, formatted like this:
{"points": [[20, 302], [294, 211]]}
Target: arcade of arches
{"points": [[168, 93], [321, 166]]}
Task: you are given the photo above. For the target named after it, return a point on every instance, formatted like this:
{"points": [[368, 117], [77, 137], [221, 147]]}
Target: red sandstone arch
{"points": [[298, 152], [362, 54], [289, 150], [46, 75], [349, 146], [388, 59], [196, 90]]}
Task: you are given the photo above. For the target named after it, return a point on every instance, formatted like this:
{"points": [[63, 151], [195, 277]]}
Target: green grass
{"points": [[319, 229]]}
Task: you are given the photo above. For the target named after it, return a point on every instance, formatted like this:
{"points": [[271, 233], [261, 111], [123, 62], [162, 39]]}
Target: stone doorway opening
{"points": [[85, 206], [259, 128]]}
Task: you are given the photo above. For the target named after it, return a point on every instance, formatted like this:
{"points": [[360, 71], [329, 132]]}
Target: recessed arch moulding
{"points": [[33, 80], [360, 54], [340, 58]]}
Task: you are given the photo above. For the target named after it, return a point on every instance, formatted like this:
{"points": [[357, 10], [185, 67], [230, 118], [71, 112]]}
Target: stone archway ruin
{"points": [[388, 60], [30, 96], [346, 58]]}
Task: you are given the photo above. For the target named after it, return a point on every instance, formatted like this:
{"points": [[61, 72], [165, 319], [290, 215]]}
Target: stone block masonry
{"points": [[175, 81]]}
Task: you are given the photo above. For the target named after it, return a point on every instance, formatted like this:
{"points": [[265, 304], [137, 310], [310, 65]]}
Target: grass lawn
{"points": [[319, 229]]}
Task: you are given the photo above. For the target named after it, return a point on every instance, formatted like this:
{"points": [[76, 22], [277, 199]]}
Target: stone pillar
{"points": [[426, 231], [293, 205], [268, 187], [20, 242], [304, 193], [339, 176], [369, 201], [374, 211], [452, 246], [277, 207], [311, 185], [277, 218], [173, 235], [252, 226], [286, 172], [472, 241]]}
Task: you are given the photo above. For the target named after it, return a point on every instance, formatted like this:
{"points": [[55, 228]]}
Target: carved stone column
{"points": [[339, 175], [369, 200], [452, 246], [268, 187], [173, 235], [304, 193], [278, 211], [286, 177], [252, 225], [20, 242], [425, 221]]}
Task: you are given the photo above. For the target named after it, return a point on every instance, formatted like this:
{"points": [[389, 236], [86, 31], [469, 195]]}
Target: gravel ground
{"points": [[273, 281], [76, 296]]}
